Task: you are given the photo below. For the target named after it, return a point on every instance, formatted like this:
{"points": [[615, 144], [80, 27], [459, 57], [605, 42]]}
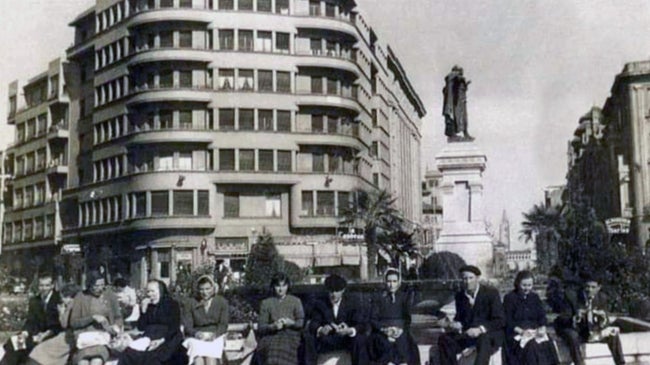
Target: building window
{"points": [[185, 78], [265, 160], [185, 37], [284, 121], [140, 204], [273, 206], [334, 163], [282, 42], [332, 124], [264, 5], [246, 120], [315, 45], [282, 7], [166, 162], [226, 160], [265, 80], [314, 7], [41, 124], [231, 205], [29, 230], [284, 82], [48, 230], [330, 10], [284, 161], [166, 79], [166, 119], [166, 39], [330, 46], [245, 4], [226, 39], [226, 79], [264, 42], [183, 202], [265, 119], [344, 202], [185, 161], [245, 40], [318, 162], [226, 4], [316, 85], [185, 3], [160, 202], [185, 119], [203, 201], [331, 87], [325, 203], [245, 80], [39, 194], [227, 119], [375, 179], [374, 149], [317, 125], [164, 260], [307, 199], [246, 160]]}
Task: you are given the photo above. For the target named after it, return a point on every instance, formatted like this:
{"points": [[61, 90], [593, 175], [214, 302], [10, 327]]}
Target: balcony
{"points": [[145, 94], [58, 131], [56, 168], [170, 14], [171, 54]]}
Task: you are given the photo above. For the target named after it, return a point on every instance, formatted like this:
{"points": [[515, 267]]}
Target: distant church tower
{"points": [[504, 231]]}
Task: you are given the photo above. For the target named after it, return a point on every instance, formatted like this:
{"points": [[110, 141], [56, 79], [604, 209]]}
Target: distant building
{"points": [[431, 209], [175, 132], [554, 195], [505, 258]]}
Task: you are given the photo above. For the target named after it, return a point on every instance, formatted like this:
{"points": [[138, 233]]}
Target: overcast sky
{"points": [[535, 67]]}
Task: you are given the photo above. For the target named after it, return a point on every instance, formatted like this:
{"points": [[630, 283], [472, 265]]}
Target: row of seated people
{"points": [[519, 324], [378, 334]]}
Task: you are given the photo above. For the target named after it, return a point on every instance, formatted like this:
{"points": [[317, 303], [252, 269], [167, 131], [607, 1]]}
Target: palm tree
{"points": [[544, 226], [375, 213]]}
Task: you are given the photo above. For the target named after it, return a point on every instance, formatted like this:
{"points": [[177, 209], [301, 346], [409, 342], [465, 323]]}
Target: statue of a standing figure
{"points": [[455, 106]]}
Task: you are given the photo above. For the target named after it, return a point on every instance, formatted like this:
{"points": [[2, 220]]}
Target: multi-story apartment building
{"points": [[195, 125], [37, 162], [431, 209]]}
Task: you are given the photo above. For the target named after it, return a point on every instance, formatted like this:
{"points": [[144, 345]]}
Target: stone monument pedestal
{"points": [[463, 225]]}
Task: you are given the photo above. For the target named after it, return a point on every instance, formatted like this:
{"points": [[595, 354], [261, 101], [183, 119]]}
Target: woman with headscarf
{"points": [[205, 320], [159, 323], [526, 338], [280, 324], [94, 317]]}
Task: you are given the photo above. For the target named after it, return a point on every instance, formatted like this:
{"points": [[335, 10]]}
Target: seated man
{"points": [[583, 318], [42, 323], [337, 324], [479, 321]]}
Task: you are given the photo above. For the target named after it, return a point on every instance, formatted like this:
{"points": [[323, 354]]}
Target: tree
{"points": [[264, 261], [375, 213], [442, 265], [544, 225]]}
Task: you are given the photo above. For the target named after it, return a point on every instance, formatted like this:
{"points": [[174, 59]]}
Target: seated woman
{"points": [[206, 321], [95, 315], [392, 343], [280, 323], [159, 322], [526, 339], [56, 350]]}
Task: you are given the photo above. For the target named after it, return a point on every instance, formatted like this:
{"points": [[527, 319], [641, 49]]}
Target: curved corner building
{"points": [[197, 125]]}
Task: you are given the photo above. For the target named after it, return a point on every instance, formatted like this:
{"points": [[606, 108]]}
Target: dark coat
{"points": [[573, 303], [215, 320], [487, 310], [40, 318], [349, 312], [525, 313]]}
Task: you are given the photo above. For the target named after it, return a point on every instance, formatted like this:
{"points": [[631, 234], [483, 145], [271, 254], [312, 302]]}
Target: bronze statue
{"points": [[455, 106]]}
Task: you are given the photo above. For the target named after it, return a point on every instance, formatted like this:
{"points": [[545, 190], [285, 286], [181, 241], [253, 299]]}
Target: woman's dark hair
{"points": [[120, 282], [278, 278], [162, 287], [391, 271], [92, 277], [521, 276]]}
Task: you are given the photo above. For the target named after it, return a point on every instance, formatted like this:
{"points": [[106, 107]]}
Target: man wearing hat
{"points": [[337, 323], [479, 321]]}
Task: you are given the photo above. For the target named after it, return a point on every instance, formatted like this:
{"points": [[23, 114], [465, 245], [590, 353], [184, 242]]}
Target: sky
{"points": [[535, 67]]}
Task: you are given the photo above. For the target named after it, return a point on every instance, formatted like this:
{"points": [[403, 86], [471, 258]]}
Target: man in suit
{"points": [[337, 324], [583, 318], [479, 321], [41, 324]]}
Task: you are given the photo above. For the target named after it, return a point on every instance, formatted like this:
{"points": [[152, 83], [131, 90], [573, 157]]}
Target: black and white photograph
{"points": [[325, 182]]}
